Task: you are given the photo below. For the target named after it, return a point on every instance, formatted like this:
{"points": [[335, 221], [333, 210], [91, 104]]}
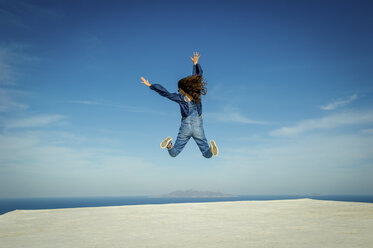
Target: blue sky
{"points": [[289, 99]]}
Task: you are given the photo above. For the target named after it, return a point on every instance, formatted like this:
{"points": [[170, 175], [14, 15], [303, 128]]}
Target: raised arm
{"points": [[162, 91], [197, 69]]}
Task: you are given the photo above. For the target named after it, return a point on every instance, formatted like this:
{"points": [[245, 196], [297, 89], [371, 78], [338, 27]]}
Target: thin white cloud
{"points": [[36, 121], [6, 69], [12, 57], [40, 11], [12, 14], [306, 164], [232, 115], [86, 102], [332, 121], [120, 106], [8, 102], [136, 109], [367, 131], [34, 164], [339, 102], [11, 19]]}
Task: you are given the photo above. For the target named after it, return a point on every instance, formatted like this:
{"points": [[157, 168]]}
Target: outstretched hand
{"points": [[195, 57], [146, 82]]}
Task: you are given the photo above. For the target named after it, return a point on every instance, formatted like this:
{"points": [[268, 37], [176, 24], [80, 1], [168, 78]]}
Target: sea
{"points": [[11, 204]]}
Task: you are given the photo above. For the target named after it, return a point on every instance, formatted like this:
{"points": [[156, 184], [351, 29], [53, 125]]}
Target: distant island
{"points": [[193, 194]]}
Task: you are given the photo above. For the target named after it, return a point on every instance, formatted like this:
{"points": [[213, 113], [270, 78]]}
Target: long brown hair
{"points": [[195, 86]]}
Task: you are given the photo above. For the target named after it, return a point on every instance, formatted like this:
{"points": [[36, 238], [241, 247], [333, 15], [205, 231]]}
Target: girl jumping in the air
{"points": [[189, 98]]}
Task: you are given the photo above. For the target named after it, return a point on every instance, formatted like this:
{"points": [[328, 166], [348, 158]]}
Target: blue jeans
{"points": [[191, 126]]}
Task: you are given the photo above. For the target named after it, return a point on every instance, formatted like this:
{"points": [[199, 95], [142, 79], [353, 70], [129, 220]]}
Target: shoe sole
{"points": [[165, 142], [214, 148]]}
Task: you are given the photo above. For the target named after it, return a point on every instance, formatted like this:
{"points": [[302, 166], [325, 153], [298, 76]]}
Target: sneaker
{"points": [[165, 142], [213, 147]]}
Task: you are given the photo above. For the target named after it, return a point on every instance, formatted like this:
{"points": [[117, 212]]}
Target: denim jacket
{"points": [[178, 97]]}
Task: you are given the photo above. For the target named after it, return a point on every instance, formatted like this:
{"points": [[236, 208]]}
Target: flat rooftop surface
{"points": [[278, 223]]}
